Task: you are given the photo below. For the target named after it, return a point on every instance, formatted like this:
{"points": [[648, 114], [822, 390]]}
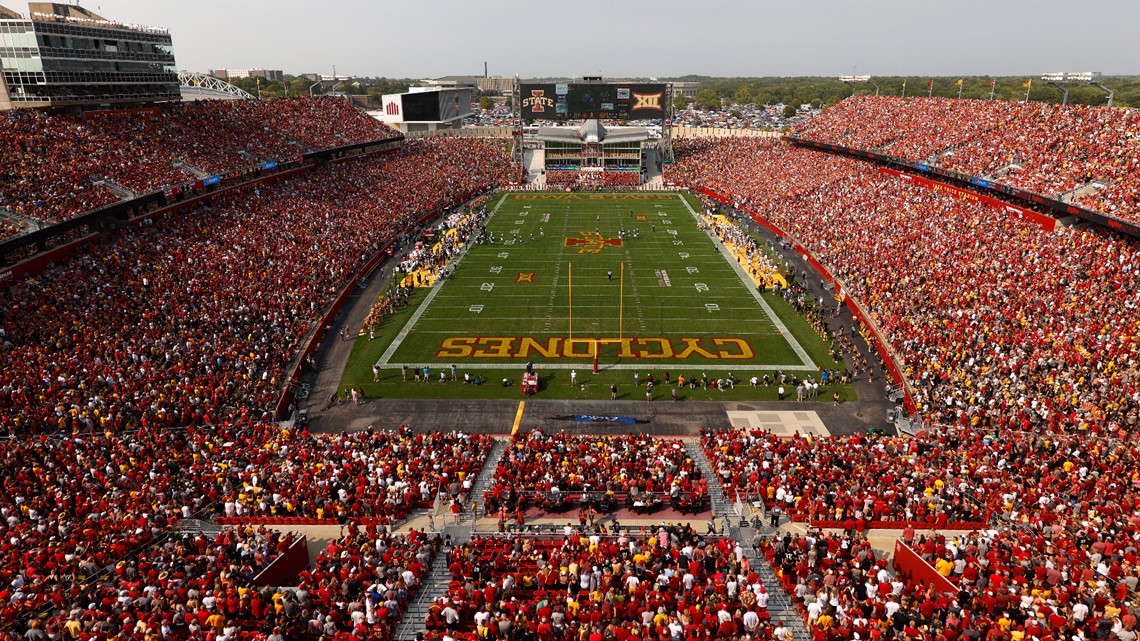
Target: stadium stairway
{"points": [[720, 506], [28, 223], [121, 192], [185, 166], [483, 482], [780, 605], [435, 584], [1086, 189], [198, 526]]}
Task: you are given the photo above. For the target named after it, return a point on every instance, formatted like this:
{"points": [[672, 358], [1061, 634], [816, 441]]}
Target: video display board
{"points": [[421, 107], [580, 101]]}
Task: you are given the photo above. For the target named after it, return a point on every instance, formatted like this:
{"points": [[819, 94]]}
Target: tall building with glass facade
{"points": [[64, 55]]}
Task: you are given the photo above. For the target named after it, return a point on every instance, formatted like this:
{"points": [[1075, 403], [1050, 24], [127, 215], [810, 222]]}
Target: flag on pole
{"points": [[993, 82], [959, 83], [904, 84], [1028, 83], [929, 83]]}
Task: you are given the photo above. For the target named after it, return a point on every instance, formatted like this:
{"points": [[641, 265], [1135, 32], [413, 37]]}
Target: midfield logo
{"points": [[525, 277], [537, 102], [592, 242], [647, 101]]}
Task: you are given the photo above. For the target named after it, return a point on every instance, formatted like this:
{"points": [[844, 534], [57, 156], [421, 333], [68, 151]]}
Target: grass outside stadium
{"points": [[628, 277]]}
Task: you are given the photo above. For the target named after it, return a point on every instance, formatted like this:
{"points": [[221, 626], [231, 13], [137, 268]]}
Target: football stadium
{"points": [[287, 368]]}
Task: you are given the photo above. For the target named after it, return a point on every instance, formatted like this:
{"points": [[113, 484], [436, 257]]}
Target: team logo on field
{"points": [[592, 242], [641, 219], [525, 277]]}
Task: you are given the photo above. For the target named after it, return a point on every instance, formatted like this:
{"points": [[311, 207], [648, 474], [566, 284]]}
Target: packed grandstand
{"points": [[141, 377]]}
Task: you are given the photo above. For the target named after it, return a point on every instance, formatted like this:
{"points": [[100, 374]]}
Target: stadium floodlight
{"points": [[1057, 78], [856, 80]]}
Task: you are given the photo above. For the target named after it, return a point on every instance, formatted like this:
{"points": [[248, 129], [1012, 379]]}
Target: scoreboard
{"points": [[581, 101], [443, 105]]}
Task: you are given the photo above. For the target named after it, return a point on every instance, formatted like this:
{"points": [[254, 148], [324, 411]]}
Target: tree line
{"points": [[823, 92]]}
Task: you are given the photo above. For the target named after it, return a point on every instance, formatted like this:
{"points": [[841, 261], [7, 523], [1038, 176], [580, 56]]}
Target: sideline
{"points": [[407, 329], [808, 364]]}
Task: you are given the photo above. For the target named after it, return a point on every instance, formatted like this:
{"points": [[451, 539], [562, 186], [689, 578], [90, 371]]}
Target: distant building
{"points": [[65, 55], [686, 88], [490, 84], [276, 75]]}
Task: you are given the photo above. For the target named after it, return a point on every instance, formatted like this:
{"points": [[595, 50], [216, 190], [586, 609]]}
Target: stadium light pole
{"points": [[852, 81], [1092, 78], [1054, 80]]}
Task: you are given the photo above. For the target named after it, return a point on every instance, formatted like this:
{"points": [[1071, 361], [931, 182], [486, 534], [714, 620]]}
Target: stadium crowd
{"points": [[853, 483], [592, 179], [134, 377], [361, 585], [54, 166], [998, 324], [550, 468], [1057, 531], [89, 519], [372, 477], [1003, 584], [668, 582], [1039, 147], [194, 319]]}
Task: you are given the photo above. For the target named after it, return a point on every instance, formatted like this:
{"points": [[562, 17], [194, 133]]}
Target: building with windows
{"points": [[485, 84], [276, 75], [67, 56]]}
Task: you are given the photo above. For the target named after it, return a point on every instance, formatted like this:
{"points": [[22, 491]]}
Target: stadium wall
{"points": [[881, 346], [286, 568], [1048, 223], [910, 565]]}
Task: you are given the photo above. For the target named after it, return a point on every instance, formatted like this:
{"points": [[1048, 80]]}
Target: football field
{"points": [[628, 277]]}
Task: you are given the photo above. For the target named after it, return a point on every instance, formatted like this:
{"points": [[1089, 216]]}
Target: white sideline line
{"points": [[751, 287], [438, 285]]}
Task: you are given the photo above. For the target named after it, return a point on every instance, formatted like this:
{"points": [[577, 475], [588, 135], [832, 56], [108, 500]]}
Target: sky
{"points": [[640, 38]]}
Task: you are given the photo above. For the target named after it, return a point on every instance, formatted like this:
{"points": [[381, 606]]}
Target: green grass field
{"points": [[552, 290]]}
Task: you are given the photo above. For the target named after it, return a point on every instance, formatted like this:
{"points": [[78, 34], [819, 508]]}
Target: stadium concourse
{"points": [[149, 494]]}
